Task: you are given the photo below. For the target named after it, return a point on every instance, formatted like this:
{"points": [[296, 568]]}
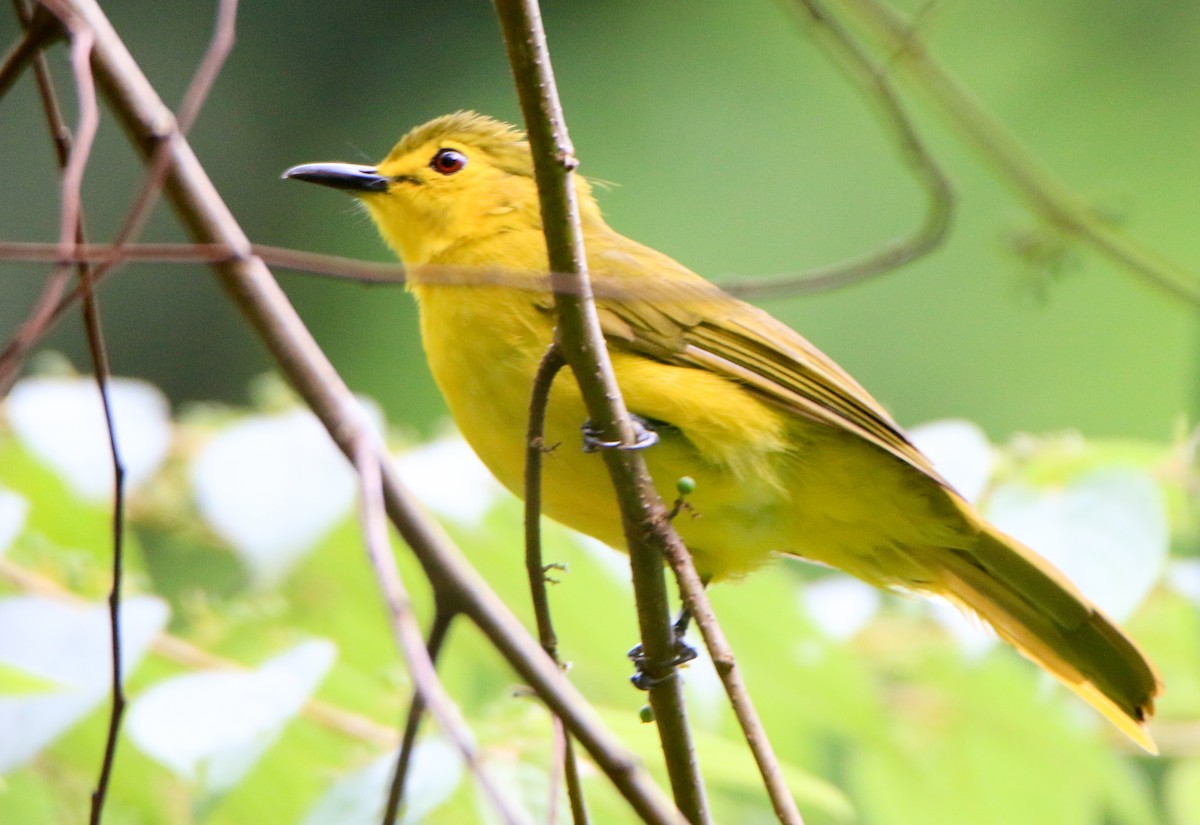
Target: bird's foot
{"points": [[645, 436], [652, 674]]}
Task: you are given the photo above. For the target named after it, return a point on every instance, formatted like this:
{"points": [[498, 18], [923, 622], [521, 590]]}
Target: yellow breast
{"points": [[484, 345]]}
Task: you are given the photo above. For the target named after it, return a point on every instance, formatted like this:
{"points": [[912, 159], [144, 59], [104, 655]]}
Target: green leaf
{"points": [[16, 681]]}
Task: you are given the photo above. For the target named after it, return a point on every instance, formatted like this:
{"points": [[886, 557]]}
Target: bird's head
{"points": [[456, 179]]}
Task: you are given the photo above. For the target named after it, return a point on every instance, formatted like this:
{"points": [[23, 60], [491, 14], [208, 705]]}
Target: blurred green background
{"points": [[734, 146]]}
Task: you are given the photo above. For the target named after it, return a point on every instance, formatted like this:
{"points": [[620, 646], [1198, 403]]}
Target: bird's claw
{"points": [[644, 436], [652, 674]]}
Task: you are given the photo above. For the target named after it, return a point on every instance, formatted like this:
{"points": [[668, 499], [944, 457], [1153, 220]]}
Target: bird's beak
{"points": [[346, 176]]}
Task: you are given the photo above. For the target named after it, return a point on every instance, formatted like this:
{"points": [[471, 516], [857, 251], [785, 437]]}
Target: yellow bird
{"points": [[789, 454]]}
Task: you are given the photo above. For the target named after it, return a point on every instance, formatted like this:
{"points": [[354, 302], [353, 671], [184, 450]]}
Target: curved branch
{"points": [[1047, 196], [419, 658], [873, 80], [697, 605], [535, 569]]}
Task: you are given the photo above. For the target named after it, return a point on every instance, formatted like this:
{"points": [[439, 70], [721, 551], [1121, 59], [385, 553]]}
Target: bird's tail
{"points": [[1033, 606]]}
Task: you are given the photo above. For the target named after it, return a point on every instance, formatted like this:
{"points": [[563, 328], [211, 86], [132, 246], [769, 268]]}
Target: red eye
{"points": [[448, 161]]}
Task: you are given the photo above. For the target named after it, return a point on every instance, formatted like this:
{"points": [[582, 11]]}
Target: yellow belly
{"points": [[766, 482]]}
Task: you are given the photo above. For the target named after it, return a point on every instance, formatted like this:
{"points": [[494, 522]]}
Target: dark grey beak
{"points": [[346, 176]]}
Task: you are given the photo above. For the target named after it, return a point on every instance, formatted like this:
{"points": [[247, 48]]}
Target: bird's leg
{"points": [[684, 653], [643, 678], [646, 436]]}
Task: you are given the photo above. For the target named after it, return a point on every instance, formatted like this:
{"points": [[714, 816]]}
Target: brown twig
{"points": [[250, 285], [219, 46], [42, 313], [535, 568], [336, 266], [403, 621], [1049, 197], [442, 619], [71, 233], [535, 447], [582, 343], [52, 304], [873, 80], [40, 28], [695, 599]]}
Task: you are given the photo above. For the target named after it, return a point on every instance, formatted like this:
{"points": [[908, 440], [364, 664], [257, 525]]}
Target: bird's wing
{"points": [[689, 322]]}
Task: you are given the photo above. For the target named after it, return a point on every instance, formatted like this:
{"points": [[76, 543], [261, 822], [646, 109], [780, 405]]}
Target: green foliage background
{"points": [[735, 147], [895, 722]]}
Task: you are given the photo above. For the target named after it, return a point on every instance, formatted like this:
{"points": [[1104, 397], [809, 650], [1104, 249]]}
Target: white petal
{"points": [[273, 486], [959, 451], [214, 726], [1106, 530], [840, 606], [446, 476], [68, 646], [61, 421], [357, 799], [13, 510]]}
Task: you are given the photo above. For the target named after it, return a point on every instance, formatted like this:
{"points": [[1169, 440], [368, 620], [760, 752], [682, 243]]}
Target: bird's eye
{"points": [[448, 161]]}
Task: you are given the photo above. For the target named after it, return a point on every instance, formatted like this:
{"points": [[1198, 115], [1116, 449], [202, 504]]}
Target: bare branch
{"points": [[873, 80], [642, 513], [552, 362], [206, 73], [41, 28], [74, 162], [695, 600], [336, 266], [52, 304], [535, 569], [1049, 197], [403, 621], [439, 628], [42, 314]]}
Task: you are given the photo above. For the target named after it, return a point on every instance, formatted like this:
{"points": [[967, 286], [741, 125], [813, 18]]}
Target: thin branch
{"points": [[535, 446], [873, 80], [37, 22], [351, 269], [219, 46], [574, 779], [43, 311], [1046, 195], [53, 304], [695, 599], [100, 367], [439, 628], [110, 255], [403, 621], [578, 334], [41, 28], [250, 285], [535, 568], [71, 233]]}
